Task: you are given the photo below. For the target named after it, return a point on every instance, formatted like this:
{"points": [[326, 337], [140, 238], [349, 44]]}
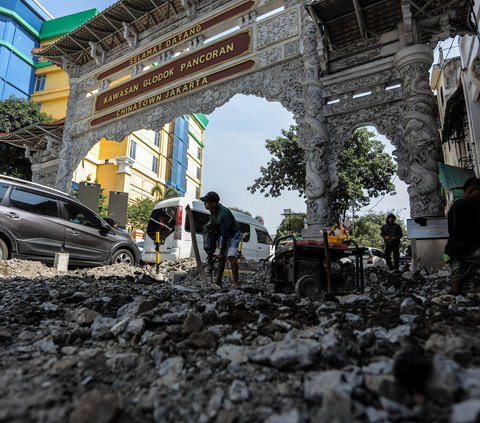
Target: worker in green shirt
{"points": [[228, 229]]}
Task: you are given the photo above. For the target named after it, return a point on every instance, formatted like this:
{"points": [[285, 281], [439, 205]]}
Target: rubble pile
{"points": [[126, 348]]}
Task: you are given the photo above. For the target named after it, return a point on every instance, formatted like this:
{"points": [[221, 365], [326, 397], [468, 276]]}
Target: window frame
{"points": [[40, 82], [155, 164], [245, 234], [132, 152], [84, 210], [16, 188], [268, 237]]}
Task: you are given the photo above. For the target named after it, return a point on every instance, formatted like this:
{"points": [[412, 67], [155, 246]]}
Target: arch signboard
{"points": [[182, 63]]}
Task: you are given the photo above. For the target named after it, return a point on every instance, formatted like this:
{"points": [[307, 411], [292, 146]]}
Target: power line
{"points": [[381, 199]]}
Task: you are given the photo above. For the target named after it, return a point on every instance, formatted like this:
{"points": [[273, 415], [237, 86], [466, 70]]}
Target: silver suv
{"points": [[37, 221]]}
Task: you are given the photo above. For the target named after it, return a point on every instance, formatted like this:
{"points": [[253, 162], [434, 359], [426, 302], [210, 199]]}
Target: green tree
{"points": [[366, 230], [365, 171], [17, 113], [139, 211], [161, 192], [260, 219], [291, 224], [237, 209]]}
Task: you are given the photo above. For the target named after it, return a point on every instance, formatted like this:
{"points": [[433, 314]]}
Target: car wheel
{"points": [[123, 256], [3, 250]]}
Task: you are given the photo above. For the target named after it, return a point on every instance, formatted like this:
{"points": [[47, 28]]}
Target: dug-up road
{"points": [[114, 345]]}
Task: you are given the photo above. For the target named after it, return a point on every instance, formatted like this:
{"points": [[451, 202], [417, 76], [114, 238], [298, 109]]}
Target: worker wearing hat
{"points": [[223, 222]]}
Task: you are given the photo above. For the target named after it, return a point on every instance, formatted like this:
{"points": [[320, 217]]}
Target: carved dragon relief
{"points": [[360, 82], [313, 133], [419, 116], [273, 30]]}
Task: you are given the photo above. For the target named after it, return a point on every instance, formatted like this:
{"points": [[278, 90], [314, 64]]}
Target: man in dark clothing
{"points": [[392, 233], [463, 246], [225, 225]]}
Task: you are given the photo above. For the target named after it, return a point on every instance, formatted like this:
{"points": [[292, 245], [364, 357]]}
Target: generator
{"points": [[302, 266]]}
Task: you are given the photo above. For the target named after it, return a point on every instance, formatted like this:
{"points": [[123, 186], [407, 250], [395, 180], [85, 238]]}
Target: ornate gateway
{"points": [[335, 64]]}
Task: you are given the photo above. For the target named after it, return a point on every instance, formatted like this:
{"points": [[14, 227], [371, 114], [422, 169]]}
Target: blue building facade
{"points": [[20, 25], [178, 176]]}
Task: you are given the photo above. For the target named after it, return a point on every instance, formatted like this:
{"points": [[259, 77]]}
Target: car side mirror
{"points": [[105, 229]]}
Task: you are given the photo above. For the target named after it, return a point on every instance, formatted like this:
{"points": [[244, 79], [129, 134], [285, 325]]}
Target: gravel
{"points": [[115, 344]]}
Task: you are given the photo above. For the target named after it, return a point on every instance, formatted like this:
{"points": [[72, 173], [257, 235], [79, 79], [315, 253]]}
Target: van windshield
{"points": [[163, 221]]}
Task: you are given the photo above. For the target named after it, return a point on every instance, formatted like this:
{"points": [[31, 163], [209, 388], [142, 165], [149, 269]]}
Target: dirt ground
{"points": [[113, 344]]}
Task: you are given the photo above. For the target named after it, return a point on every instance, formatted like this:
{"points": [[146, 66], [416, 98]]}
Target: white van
{"points": [[169, 217]]}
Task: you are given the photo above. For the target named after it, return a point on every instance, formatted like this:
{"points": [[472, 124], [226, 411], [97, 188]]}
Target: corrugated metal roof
{"points": [[35, 135], [340, 20], [106, 28]]}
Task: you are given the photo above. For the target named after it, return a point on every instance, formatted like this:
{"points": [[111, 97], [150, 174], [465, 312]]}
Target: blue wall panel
{"points": [[3, 26], [18, 75], [10, 90], [4, 61], [24, 41], [179, 155], [29, 11]]}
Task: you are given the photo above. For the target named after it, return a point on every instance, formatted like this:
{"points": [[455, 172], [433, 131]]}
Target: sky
{"points": [[235, 148]]}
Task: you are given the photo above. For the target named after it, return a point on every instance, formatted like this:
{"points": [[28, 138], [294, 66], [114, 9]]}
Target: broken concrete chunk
{"points": [[238, 391], [466, 412], [299, 353]]}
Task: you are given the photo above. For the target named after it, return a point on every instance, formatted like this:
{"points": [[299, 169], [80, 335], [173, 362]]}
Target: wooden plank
{"points": [[201, 270]]}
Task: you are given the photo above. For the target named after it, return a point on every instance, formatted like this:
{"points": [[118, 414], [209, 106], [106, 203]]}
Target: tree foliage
{"points": [[15, 114], [366, 230], [238, 209], [365, 171], [139, 211], [291, 224], [161, 192]]}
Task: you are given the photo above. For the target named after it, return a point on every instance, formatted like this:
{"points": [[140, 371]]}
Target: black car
{"points": [[37, 221]]}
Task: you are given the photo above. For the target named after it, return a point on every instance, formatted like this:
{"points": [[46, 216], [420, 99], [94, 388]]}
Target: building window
{"points": [[197, 192], [40, 82], [133, 150], [155, 164], [199, 153], [199, 172], [156, 140]]}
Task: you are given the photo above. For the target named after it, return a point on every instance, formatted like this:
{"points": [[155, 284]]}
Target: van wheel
{"points": [[123, 256], [4, 253]]}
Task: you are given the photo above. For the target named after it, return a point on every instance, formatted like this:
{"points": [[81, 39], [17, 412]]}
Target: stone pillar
{"points": [[64, 175], [417, 165], [313, 137]]}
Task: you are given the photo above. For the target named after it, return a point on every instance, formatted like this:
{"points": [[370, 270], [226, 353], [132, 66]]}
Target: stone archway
{"points": [[409, 121], [288, 58]]}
